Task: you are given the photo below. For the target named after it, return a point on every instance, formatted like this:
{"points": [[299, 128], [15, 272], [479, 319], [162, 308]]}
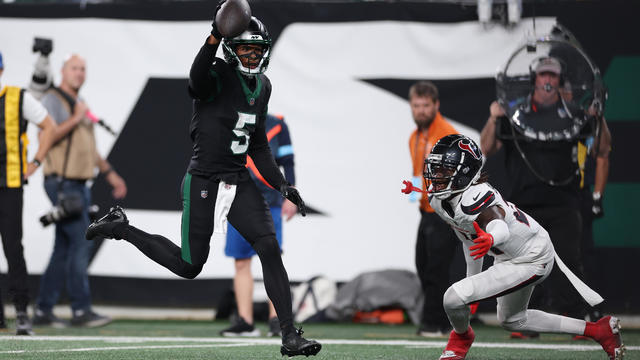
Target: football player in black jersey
{"points": [[230, 99]]}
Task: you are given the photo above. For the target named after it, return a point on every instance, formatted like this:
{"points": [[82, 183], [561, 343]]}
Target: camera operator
{"points": [[18, 109], [541, 156], [68, 166]]}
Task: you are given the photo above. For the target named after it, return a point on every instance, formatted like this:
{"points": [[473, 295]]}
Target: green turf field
{"points": [[128, 339]]}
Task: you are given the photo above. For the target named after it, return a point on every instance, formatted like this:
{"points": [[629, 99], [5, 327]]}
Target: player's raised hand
{"points": [[484, 242], [214, 26], [231, 18], [292, 194]]}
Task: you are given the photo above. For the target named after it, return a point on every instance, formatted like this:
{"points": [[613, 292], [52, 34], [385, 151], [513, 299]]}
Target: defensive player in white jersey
{"points": [[523, 252]]}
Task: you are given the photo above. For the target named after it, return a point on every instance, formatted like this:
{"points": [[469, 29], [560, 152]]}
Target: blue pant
{"points": [[239, 248], [71, 251]]}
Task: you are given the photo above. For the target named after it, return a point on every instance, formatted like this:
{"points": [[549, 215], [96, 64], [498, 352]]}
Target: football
{"points": [[233, 18]]}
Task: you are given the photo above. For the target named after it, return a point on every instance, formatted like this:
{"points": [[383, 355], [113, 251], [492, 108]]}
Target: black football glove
{"points": [[596, 208], [214, 28], [293, 195]]}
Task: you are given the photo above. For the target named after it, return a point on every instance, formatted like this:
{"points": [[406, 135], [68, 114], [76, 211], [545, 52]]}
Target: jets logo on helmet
{"points": [[469, 147], [256, 34]]}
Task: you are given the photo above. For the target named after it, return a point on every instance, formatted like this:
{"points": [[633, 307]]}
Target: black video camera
{"points": [[43, 46], [69, 206]]}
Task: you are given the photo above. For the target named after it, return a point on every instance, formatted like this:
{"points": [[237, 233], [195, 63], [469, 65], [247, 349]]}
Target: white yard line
{"points": [[86, 349], [230, 342]]}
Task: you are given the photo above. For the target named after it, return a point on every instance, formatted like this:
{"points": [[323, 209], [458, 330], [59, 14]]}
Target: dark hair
{"points": [[484, 177], [424, 88]]}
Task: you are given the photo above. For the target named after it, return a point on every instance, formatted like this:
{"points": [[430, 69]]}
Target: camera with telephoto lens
{"points": [[43, 46], [69, 205]]}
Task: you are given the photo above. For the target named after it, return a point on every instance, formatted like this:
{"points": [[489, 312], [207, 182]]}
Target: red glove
{"points": [[473, 307], [484, 242]]}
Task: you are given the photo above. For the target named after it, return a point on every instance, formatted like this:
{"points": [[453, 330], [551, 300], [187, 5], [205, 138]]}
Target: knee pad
{"points": [[451, 299]]}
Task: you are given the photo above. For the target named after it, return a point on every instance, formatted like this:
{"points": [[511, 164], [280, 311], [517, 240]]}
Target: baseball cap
{"points": [[549, 64], [1, 65]]}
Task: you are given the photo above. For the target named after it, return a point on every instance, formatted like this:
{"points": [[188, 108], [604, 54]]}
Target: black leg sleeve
{"points": [[250, 215], [161, 250], [197, 227], [276, 280]]}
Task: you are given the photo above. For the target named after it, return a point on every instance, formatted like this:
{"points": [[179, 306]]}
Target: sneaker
{"points": [[104, 226], [87, 318], [23, 324], [46, 318], [241, 328], [458, 345], [430, 331], [524, 335], [274, 327], [606, 332], [294, 344]]}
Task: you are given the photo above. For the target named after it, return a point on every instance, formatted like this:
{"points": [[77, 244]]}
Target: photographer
{"points": [[18, 109], [541, 155], [67, 168]]}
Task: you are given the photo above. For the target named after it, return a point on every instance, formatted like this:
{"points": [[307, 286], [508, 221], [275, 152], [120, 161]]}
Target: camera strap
{"points": [[71, 102]]}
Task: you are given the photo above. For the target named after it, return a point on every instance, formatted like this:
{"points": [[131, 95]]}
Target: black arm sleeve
{"points": [[263, 158], [260, 151], [201, 85], [287, 165], [286, 161]]}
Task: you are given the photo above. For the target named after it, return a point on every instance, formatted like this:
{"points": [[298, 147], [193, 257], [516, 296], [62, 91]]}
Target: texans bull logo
{"points": [[466, 145]]}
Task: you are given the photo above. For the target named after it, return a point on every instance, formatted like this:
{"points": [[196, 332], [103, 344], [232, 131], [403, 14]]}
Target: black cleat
{"points": [[104, 226], [294, 344]]}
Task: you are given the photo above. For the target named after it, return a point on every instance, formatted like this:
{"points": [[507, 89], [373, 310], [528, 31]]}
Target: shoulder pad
{"points": [[476, 199]]}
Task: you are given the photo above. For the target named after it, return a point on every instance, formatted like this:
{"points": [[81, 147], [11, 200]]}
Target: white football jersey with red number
{"points": [[527, 241]]}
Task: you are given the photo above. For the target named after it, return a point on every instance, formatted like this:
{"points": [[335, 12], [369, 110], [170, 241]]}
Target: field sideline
{"points": [[126, 339]]}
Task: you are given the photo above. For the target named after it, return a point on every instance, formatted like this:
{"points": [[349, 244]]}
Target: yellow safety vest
{"points": [[13, 138]]}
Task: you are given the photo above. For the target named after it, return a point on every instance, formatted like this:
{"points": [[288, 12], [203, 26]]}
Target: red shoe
{"points": [[458, 345], [606, 332]]}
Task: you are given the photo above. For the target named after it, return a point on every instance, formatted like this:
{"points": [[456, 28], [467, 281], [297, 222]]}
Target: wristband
{"points": [[37, 162]]}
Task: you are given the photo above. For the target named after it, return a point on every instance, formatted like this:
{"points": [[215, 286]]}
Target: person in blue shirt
{"points": [[239, 249]]}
